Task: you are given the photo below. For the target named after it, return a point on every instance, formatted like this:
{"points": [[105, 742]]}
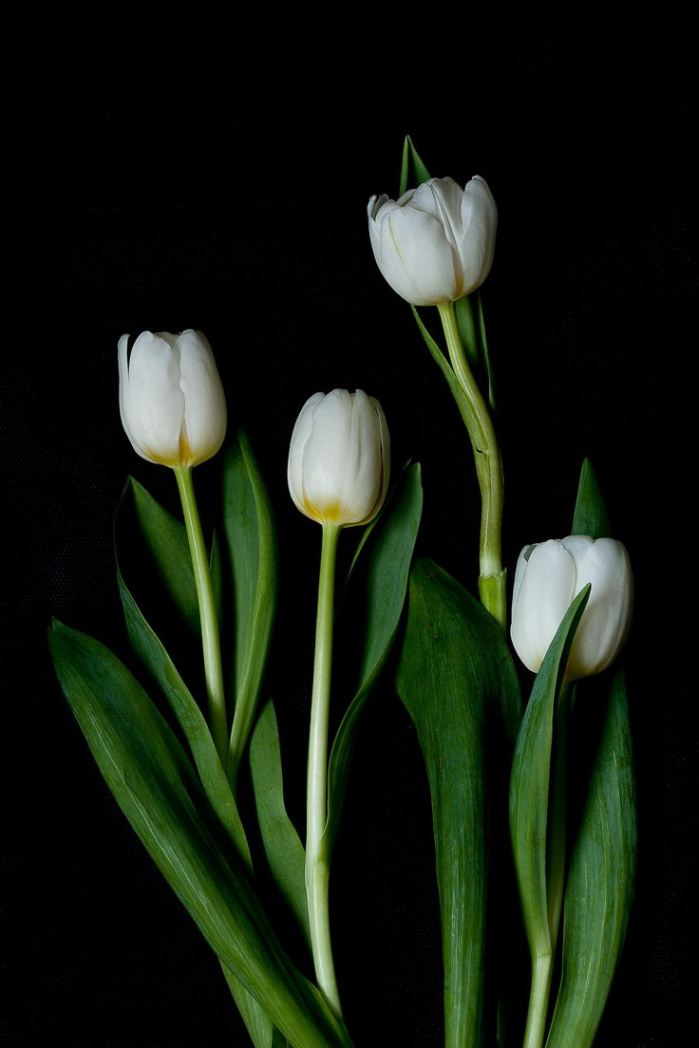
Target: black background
{"points": [[213, 172]]}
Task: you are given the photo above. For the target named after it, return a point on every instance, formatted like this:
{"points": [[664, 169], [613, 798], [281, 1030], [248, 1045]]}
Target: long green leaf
{"points": [[153, 523], [159, 792], [155, 657], [283, 848], [382, 573], [530, 780], [252, 553], [165, 539], [600, 886], [599, 891], [455, 676]]}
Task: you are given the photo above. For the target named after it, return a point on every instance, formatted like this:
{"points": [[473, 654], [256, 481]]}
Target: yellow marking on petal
{"points": [[185, 449], [330, 515]]}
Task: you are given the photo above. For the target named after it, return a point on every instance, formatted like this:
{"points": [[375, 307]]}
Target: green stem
{"points": [[213, 671], [491, 582], [317, 861], [542, 965]]}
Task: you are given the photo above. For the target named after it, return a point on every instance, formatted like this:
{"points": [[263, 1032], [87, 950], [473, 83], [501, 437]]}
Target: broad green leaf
{"points": [[257, 1022], [285, 852], [152, 652], [252, 554], [381, 572], [156, 787], [165, 538], [530, 782], [413, 172], [190, 718], [456, 677], [590, 516], [600, 885]]}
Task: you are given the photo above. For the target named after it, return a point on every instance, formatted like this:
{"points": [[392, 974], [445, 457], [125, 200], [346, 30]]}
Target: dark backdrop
{"points": [[207, 173]]}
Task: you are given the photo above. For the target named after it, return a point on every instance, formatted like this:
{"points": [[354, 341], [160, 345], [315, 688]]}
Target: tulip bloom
{"points": [[548, 577], [339, 458], [435, 243], [171, 399]]}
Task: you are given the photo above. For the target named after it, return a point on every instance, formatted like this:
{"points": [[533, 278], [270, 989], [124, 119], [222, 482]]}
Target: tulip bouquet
{"points": [[534, 839]]}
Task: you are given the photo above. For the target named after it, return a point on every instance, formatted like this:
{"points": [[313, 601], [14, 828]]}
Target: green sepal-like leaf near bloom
{"points": [[471, 324], [530, 779], [599, 889], [252, 553], [157, 788], [284, 850], [457, 678], [380, 569], [445, 367], [590, 514], [413, 172]]}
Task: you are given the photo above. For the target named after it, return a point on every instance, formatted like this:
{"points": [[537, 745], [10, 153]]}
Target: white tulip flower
{"points": [[435, 243], [339, 458], [548, 577], [171, 399]]}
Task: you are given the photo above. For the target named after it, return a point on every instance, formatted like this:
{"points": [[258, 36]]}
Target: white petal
{"points": [[544, 584], [361, 483], [416, 258], [325, 453], [154, 403], [205, 415], [604, 563], [478, 227], [299, 437]]}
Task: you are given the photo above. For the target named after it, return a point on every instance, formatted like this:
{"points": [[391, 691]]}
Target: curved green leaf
{"points": [[154, 656], [252, 554], [599, 890], [283, 847], [386, 555], [600, 885], [165, 539], [455, 676], [530, 781], [156, 787]]}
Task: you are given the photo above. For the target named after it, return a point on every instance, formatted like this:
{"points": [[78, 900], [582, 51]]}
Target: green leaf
{"points": [[599, 890], [380, 571], [471, 323], [150, 649], [413, 171], [285, 853], [530, 780], [600, 884], [455, 677], [165, 539], [252, 553], [590, 516], [154, 783]]}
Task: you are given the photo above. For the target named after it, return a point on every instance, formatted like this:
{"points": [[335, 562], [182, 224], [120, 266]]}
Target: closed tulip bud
{"points": [[435, 243], [339, 458], [171, 399], [548, 577]]}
